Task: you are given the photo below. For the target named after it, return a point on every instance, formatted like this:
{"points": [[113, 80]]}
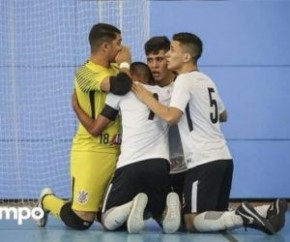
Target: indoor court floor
{"points": [[55, 231]]}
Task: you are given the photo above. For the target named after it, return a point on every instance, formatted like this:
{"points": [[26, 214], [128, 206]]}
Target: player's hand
{"points": [[124, 55], [141, 92]]}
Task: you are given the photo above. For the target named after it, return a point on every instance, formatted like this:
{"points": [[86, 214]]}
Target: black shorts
{"points": [[148, 176], [207, 187], [177, 183]]}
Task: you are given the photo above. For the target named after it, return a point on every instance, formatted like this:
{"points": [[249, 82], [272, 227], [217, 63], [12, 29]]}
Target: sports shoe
{"points": [[42, 222], [171, 221], [252, 219], [276, 214], [135, 222]]}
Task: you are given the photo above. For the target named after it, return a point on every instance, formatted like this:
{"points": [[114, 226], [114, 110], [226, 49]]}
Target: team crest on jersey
{"points": [[83, 197]]}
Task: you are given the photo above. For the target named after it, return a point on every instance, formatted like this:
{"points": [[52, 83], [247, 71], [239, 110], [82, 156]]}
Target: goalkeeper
{"points": [[93, 159]]}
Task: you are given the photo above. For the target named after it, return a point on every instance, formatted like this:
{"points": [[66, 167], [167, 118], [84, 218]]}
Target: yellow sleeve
{"points": [[89, 76]]}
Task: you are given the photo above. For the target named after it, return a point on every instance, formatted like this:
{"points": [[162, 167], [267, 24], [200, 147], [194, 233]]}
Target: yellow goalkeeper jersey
{"points": [[88, 80]]}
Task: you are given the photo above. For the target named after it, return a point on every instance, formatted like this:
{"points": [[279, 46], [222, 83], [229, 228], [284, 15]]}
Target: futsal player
{"points": [[142, 176], [198, 109], [155, 49], [93, 159]]}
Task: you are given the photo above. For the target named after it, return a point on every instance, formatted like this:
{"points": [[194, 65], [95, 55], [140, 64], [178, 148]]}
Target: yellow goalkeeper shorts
{"points": [[91, 173]]}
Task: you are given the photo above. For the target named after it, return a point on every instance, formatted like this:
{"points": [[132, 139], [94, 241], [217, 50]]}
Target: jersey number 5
{"points": [[213, 104]]}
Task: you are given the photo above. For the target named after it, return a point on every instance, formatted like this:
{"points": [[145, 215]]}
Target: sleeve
{"points": [[90, 81], [113, 101], [221, 106], [111, 108], [180, 94]]}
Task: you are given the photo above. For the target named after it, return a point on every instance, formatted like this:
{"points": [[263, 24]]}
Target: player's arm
{"points": [[170, 115], [121, 83], [224, 116], [94, 127]]}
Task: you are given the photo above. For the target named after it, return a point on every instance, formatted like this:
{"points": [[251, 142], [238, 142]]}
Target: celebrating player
{"points": [[142, 173], [155, 50], [93, 159], [198, 109]]}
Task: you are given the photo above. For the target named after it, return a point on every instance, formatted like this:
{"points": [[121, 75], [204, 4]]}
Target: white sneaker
{"points": [[171, 221], [42, 222], [135, 222]]}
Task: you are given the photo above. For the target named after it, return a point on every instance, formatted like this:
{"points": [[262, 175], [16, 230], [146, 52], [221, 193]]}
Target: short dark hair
{"points": [[157, 43], [191, 42], [101, 33], [142, 70]]}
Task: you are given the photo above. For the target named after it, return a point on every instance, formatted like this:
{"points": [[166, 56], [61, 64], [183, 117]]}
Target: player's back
{"points": [[202, 138], [144, 135]]}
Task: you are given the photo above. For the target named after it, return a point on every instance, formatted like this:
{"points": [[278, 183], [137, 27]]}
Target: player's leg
{"points": [[147, 185], [49, 203], [201, 192], [125, 200], [91, 173], [274, 212], [226, 185], [118, 200], [201, 216], [177, 183], [163, 205], [245, 215]]}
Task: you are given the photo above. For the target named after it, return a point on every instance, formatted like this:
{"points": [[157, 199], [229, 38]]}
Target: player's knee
{"points": [[189, 222], [72, 220]]}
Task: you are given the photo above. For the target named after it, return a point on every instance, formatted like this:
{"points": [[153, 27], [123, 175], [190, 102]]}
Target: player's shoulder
{"points": [[195, 78], [82, 67], [111, 96], [88, 69], [157, 89], [151, 87]]}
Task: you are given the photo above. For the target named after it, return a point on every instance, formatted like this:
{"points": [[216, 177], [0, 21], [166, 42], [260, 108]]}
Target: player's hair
{"points": [[191, 43], [141, 70], [101, 33], [155, 44]]}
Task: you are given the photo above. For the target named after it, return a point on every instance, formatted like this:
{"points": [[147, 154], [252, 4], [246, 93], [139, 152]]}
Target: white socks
{"points": [[116, 216], [217, 221]]}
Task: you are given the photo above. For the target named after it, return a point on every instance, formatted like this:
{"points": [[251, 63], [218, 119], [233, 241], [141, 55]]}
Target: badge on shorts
{"points": [[83, 197]]}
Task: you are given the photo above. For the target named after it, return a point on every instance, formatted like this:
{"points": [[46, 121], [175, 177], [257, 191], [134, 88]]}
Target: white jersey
{"points": [[197, 97], [144, 135]]}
